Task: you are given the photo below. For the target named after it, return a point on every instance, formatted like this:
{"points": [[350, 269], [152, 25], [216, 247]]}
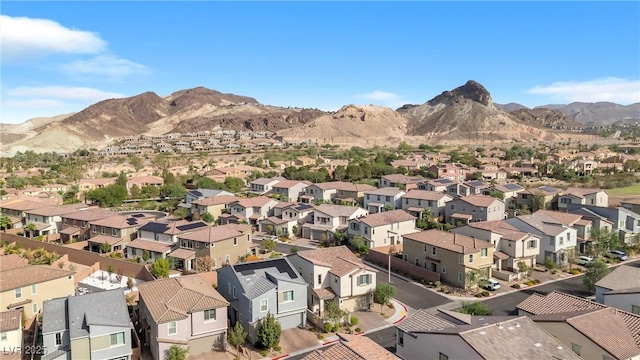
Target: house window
{"points": [[209, 314], [531, 244], [576, 348], [18, 293], [425, 247], [470, 258], [460, 277], [287, 296], [172, 328], [364, 280], [235, 241], [552, 241], [114, 232], [635, 309], [118, 338], [264, 305], [483, 252], [34, 289], [102, 230], [444, 270], [93, 229], [443, 357], [400, 337], [75, 223], [83, 224], [229, 288], [418, 261], [433, 250], [234, 292], [460, 258], [319, 279], [34, 308], [227, 258], [58, 338]]}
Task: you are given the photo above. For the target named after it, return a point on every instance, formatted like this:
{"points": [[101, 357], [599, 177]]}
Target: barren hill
{"points": [[541, 116], [510, 107], [599, 112]]}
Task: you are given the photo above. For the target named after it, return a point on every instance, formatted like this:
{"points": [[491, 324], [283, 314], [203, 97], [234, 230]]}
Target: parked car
{"points": [[618, 254], [584, 260], [491, 284]]}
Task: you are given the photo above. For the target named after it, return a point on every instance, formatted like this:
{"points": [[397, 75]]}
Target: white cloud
{"points": [[111, 66], [32, 103], [63, 92], [618, 90], [23, 36], [382, 96]]}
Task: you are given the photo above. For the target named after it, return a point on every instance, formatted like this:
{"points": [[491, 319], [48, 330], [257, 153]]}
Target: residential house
{"points": [[91, 326], [305, 161], [290, 190], [251, 210], [452, 255], [508, 192], [238, 171], [48, 219], [473, 187], [336, 191], [327, 219], [351, 347], [159, 238], [380, 199], [255, 289], [412, 165], [24, 287], [200, 194], [335, 274], [117, 231], [449, 335], [519, 172], [262, 185], [620, 289], [548, 198], [583, 196], [590, 329], [416, 201], [10, 329], [439, 185], [186, 311], [625, 222], [632, 205], [580, 223], [16, 209], [558, 241], [474, 208], [382, 229], [400, 181], [287, 219], [214, 205], [224, 244], [75, 225], [455, 172], [145, 180], [86, 185], [511, 246]]}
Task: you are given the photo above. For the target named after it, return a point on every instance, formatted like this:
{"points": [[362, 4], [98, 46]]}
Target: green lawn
{"points": [[629, 190]]}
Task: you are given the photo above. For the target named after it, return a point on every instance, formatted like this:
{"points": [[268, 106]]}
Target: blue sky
{"points": [[59, 57]]}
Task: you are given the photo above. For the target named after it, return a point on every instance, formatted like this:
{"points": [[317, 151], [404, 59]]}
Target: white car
{"points": [[618, 254], [584, 260], [491, 284]]}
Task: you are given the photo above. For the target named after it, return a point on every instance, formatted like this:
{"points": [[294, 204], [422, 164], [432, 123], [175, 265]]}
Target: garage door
{"points": [[291, 321], [206, 344], [356, 303]]}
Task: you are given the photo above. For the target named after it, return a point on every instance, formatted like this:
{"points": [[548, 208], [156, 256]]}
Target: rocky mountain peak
{"points": [[471, 90]]}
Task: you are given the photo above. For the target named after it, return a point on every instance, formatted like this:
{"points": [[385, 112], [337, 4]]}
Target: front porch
{"points": [[183, 259], [97, 243]]}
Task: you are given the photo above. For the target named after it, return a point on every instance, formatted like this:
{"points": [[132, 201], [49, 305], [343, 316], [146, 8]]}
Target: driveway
{"points": [[411, 294], [293, 340]]}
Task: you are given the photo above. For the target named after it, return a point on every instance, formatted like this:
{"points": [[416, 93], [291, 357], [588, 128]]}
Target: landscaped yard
{"points": [[629, 190]]}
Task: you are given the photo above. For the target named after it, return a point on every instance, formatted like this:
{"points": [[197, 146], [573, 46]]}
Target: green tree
{"points": [[332, 311], [359, 244], [269, 244], [5, 223], [30, 228], [497, 194], [237, 337], [208, 218], [475, 278], [383, 294], [538, 202], [160, 268], [596, 270], [122, 179], [108, 196], [269, 332], [181, 213], [474, 308], [176, 352], [110, 270], [603, 240], [549, 263], [339, 173], [105, 248], [173, 190], [135, 192], [234, 184], [136, 162], [146, 255]]}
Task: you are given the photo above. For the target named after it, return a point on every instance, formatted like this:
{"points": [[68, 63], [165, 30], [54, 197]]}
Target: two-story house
{"points": [[185, 311], [286, 218], [199, 194], [159, 238], [335, 191], [145, 180], [91, 326], [455, 172], [383, 229], [24, 287], [251, 210], [224, 244], [511, 246], [215, 205], [117, 231], [75, 225], [439, 185], [15, 208], [557, 240], [327, 219], [452, 255], [449, 335], [290, 190], [580, 223], [416, 201], [472, 187], [474, 208], [335, 274], [258, 288], [616, 289], [509, 192], [548, 198], [48, 219], [263, 185], [624, 221], [351, 346], [10, 329], [86, 185], [583, 196], [400, 181], [379, 200]]}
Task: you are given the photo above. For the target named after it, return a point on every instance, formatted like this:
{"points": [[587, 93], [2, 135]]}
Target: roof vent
{"points": [[537, 344], [559, 347], [483, 332]]}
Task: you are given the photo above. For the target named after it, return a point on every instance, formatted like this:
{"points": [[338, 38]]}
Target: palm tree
{"points": [[5, 222], [30, 227]]}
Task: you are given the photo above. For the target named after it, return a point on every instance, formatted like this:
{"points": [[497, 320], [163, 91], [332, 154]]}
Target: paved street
{"points": [[415, 297]]}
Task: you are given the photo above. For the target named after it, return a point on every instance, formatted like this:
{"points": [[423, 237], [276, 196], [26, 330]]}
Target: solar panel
{"points": [[247, 272], [191, 226], [132, 221], [442, 181], [303, 206], [137, 215], [154, 227], [547, 189], [512, 186], [280, 264], [476, 183], [196, 193]]}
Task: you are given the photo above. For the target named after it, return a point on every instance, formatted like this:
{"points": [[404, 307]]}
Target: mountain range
{"points": [[456, 115]]}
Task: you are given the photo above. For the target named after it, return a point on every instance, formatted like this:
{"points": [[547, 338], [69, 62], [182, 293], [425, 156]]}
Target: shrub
{"points": [[474, 308], [277, 348], [336, 327], [358, 330], [576, 271], [437, 284], [516, 286], [390, 305], [264, 353], [320, 336], [485, 293], [478, 295], [327, 327], [554, 271], [537, 281], [354, 321]]}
